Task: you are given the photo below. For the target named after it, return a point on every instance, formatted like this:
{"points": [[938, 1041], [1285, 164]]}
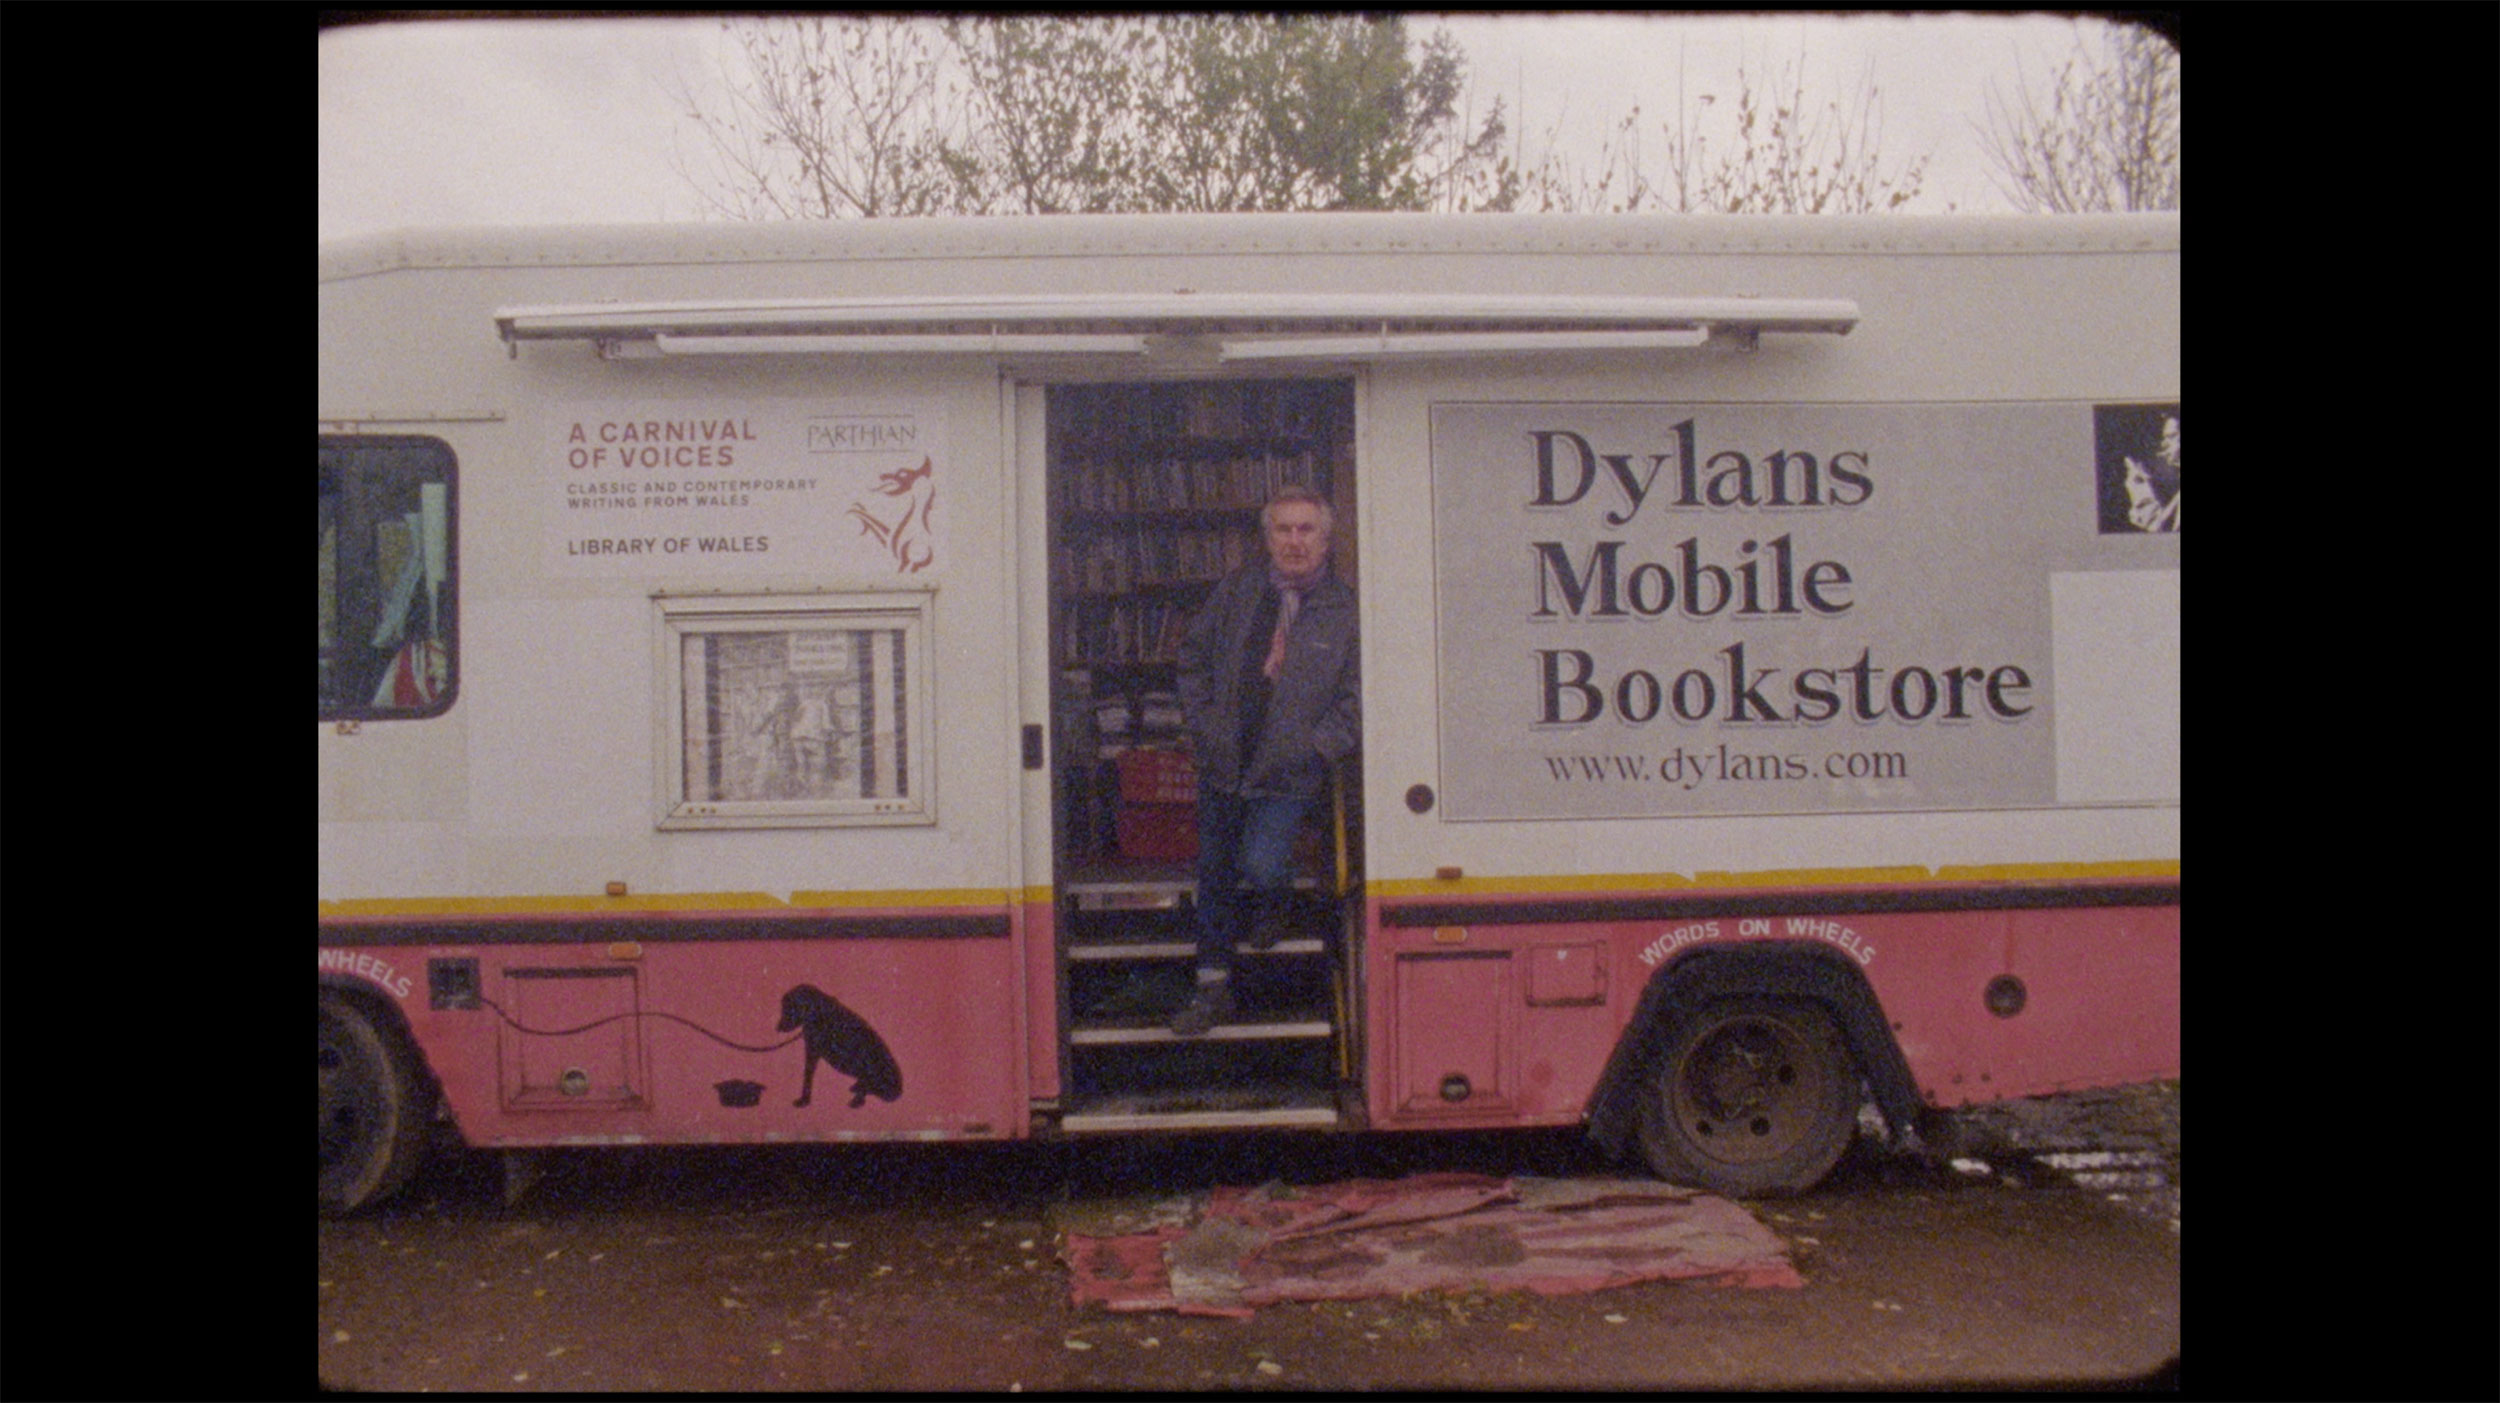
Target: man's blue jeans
{"points": [[1243, 842]]}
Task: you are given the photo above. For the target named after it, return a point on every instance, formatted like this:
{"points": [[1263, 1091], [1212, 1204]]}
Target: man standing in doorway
{"points": [[1271, 687]]}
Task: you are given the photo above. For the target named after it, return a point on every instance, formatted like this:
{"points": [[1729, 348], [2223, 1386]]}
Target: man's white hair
{"points": [[1327, 513]]}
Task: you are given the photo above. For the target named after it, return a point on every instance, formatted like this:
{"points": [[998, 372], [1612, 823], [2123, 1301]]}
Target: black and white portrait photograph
{"points": [[2137, 446]]}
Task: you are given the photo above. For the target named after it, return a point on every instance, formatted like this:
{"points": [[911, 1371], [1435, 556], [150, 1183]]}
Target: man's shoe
{"points": [[1211, 1005], [1270, 927]]}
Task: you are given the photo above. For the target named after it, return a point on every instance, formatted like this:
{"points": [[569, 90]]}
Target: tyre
{"points": [[376, 1108], [1751, 1098]]}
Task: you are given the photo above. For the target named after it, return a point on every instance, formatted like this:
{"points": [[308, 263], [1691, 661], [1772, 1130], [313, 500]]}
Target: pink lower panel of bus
{"points": [[1492, 1026], [729, 1041], [1487, 1013], [1041, 997], [1992, 1005]]}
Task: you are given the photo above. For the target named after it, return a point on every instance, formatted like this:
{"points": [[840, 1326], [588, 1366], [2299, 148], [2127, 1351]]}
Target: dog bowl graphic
{"points": [[740, 1093]]}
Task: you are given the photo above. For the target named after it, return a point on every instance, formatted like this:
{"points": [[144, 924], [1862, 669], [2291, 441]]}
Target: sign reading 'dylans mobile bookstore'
{"points": [[1659, 610], [744, 488]]}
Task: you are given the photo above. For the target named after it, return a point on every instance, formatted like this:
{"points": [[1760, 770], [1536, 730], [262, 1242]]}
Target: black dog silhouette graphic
{"points": [[843, 1041]]}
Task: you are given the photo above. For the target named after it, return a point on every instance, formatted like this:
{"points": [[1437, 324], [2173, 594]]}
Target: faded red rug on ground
{"points": [[1232, 1250]]}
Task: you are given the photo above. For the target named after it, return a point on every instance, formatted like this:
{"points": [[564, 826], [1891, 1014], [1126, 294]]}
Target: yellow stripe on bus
{"points": [[678, 901], [1549, 885], [2165, 869], [959, 896], [1788, 877]]}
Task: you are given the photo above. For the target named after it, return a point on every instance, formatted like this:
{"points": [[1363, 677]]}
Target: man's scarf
{"points": [[1289, 591]]}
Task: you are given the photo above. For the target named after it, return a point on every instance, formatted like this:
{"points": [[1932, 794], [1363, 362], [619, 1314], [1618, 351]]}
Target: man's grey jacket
{"points": [[1314, 713]]}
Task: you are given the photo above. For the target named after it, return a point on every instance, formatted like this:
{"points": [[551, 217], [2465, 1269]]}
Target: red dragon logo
{"points": [[906, 537]]}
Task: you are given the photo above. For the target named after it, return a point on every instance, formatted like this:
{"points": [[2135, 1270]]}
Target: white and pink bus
{"points": [[748, 706]]}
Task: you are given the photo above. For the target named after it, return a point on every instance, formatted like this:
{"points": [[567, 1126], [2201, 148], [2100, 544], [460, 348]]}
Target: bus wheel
{"points": [[1749, 1098], [375, 1107]]}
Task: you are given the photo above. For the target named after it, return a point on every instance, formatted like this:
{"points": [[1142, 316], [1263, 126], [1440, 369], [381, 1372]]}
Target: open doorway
{"points": [[1155, 493]]}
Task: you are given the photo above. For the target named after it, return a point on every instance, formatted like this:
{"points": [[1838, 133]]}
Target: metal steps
{"points": [[1129, 1032], [1142, 887], [1127, 957], [1184, 949], [1247, 1107]]}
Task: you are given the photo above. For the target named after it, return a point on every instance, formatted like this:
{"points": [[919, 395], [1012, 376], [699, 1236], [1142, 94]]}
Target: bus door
{"points": [[1154, 493]]}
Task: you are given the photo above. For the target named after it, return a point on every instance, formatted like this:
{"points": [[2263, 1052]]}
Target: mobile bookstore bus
{"points": [[748, 708]]}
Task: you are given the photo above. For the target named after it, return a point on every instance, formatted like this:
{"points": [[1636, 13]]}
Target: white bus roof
{"points": [[1362, 284], [1202, 236]]}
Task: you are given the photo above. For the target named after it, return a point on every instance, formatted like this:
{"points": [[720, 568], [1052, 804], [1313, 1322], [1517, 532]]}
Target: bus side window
{"points": [[388, 635]]}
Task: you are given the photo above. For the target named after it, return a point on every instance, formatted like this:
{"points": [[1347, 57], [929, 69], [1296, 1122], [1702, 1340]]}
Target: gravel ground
{"points": [[934, 1267], [2122, 1142]]}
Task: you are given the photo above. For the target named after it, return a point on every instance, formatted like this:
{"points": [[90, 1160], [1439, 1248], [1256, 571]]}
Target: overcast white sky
{"points": [[532, 122]]}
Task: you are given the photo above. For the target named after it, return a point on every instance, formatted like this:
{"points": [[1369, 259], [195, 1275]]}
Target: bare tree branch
{"points": [[1776, 150], [2104, 138], [831, 117], [843, 117]]}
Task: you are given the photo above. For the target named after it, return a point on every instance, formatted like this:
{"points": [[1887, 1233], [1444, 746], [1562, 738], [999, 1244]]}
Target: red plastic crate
{"points": [[1158, 832], [1158, 777]]}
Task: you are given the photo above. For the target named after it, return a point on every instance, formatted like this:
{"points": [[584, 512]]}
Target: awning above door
{"points": [[1236, 327]]}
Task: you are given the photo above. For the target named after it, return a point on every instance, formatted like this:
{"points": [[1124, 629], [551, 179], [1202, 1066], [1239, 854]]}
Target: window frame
{"points": [[911, 611], [416, 455]]}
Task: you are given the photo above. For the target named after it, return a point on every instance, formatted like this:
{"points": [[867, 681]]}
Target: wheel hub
{"points": [[1746, 1091], [341, 1101]]}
